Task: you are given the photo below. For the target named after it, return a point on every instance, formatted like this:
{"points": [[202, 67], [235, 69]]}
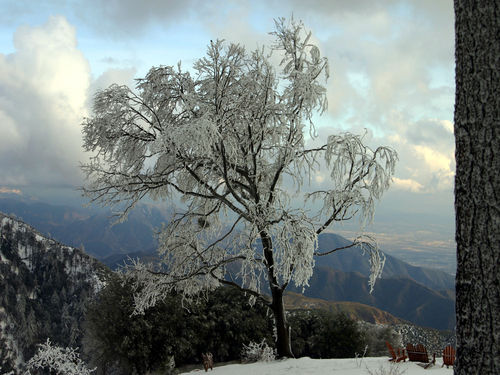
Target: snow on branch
{"points": [[226, 140], [258, 352], [64, 361], [358, 175], [366, 244]]}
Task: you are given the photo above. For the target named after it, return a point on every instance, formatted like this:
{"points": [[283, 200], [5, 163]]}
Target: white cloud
{"points": [[386, 58], [447, 125], [391, 64], [435, 161], [407, 184], [123, 76], [43, 93]]}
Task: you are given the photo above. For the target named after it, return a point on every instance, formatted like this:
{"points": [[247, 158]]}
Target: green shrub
{"points": [[138, 344], [323, 334]]}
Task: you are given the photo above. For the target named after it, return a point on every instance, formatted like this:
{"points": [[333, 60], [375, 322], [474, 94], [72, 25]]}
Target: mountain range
{"points": [[401, 297], [421, 295], [353, 260], [355, 310], [89, 228]]}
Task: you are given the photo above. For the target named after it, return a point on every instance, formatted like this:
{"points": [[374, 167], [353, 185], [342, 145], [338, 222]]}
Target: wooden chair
{"points": [[413, 355], [396, 356], [418, 353], [448, 356], [423, 357]]}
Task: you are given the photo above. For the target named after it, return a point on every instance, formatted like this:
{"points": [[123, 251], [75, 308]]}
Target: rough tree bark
{"points": [[283, 339], [477, 186]]}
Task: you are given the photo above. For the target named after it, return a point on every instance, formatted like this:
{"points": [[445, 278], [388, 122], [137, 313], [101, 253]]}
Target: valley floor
{"points": [[308, 366]]}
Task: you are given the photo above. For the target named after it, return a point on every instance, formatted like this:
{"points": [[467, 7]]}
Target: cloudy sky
{"points": [[392, 65]]}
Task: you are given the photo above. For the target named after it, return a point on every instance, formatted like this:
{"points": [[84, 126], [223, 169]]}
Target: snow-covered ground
{"points": [[308, 366]]}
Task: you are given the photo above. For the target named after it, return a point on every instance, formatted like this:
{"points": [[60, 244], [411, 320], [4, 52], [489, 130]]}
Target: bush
{"points": [[228, 321], [323, 334], [376, 336], [254, 352], [64, 361], [142, 343], [116, 339]]}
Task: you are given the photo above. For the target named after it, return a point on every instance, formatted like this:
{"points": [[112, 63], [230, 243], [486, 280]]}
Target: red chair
{"points": [[448, 356], [413, 355], [396, 356], [418, 353]]}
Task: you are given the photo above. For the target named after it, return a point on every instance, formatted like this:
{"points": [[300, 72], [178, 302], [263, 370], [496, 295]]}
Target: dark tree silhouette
{"points": [[477, 186]]}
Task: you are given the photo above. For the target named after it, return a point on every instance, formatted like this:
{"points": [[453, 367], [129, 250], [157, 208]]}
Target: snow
{"points": [[97, 283], [5, 220], [68, 249], [60, 360], [10, 344], [25, 253], [308, 366]]}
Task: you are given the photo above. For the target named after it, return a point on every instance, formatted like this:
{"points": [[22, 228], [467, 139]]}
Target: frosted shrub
{"points": [[255, 352], [375, 337], [64, 361]]}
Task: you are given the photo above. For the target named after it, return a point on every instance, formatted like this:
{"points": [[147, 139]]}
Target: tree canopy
{"points": [[230, 138]]}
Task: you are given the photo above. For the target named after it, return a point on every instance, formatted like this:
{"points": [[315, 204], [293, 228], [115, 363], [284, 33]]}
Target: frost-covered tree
{"points": [[230, 140], [62, 361]]}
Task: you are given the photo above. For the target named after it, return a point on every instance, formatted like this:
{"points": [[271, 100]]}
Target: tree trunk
{"points": [[283, 339], [477, 186]]}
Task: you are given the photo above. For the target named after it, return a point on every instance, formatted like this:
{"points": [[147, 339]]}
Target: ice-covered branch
{"points": [[359, 176], [64, 361], [227, 140], [366, 244]]}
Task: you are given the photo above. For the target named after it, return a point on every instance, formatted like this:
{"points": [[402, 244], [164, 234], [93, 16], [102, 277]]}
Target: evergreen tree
{"points": [[137, 343], [324, 334]]}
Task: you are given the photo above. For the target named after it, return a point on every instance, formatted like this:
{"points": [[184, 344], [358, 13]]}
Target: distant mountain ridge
{"points": [[353, 260], [332, 289], [355, 310], [91, 228], [44, 286], [348, 260], [401, 297], [427, 293]]}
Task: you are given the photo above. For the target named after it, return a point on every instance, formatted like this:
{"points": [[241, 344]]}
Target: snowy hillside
{"points": [[44, 286]]}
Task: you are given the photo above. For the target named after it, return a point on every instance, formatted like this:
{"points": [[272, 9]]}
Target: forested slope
{"points": [[44, 287]]}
